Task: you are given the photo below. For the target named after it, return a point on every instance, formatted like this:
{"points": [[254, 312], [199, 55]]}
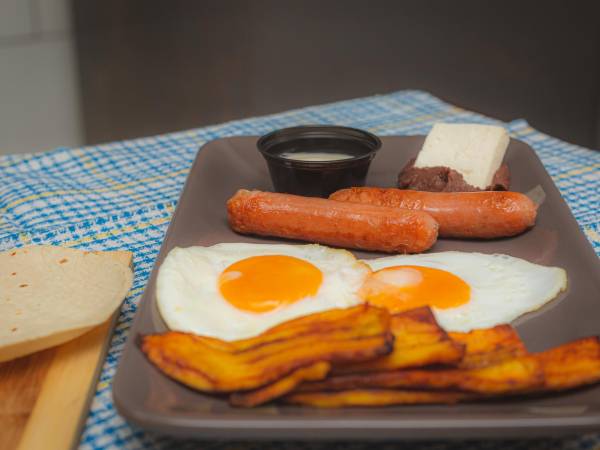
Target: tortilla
{"points": [[49, 295]]}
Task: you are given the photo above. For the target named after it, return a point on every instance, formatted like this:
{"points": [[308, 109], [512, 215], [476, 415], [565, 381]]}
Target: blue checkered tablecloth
{"points": [[121, 196]]}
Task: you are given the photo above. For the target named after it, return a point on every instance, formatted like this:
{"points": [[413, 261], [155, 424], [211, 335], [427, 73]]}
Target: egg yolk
{"points": [[263, 283], [400, 288]]}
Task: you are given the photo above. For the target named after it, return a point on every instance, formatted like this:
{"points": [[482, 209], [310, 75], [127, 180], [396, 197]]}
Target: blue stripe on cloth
{"points": [[121, 195]]}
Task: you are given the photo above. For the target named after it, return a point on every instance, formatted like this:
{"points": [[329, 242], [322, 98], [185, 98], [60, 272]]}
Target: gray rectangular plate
{"points": [[151, 400]]}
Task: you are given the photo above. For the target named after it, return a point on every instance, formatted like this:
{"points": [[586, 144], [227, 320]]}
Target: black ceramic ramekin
{"points": [[318, 178]]}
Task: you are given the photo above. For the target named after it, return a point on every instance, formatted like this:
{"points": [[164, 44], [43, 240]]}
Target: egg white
{"points": [[189, 300], [502, 287]]}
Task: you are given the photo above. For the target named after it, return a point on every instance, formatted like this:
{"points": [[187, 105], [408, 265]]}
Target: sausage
{"points": [[488, 214], [341, 224]]}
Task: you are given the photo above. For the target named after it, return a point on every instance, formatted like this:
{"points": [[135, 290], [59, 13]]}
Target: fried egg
{"points": [[465, 290], [238, 290]]}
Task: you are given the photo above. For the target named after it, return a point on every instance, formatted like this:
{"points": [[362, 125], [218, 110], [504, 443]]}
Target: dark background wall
{"points": [[155, 66]]}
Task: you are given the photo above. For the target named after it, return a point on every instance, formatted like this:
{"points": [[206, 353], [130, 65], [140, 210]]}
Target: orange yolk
{"points": [[401, 288], [263, 283]]}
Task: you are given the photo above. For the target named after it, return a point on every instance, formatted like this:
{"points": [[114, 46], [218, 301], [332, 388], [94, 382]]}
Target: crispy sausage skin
{"points": [[342, 224], [486, 215]]}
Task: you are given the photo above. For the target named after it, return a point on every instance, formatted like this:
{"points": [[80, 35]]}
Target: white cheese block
{"points": [[475, 151]]}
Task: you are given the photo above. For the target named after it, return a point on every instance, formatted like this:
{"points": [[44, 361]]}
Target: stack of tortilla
{"points": [[49, 295]]}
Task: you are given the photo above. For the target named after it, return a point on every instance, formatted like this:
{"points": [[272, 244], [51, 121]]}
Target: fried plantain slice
{"points": [[249, 399], [210, 365], [507, 377], [570, 365], [418, 341], [567, 366], [374, 397], [488, 346], [494, 361]]}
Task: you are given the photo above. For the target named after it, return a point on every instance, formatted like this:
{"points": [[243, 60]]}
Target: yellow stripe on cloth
{"points": [[116, 188], [578, 171]]}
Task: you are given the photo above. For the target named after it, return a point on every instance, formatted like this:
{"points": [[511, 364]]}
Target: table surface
{"points": [[121, 195]]}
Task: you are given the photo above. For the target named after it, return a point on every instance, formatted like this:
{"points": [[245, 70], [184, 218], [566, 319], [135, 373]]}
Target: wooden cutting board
{"points": [[45, 396]]}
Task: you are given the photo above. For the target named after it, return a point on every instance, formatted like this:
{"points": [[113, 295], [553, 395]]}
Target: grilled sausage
{"points": [[488, 214], [341, 224]]}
